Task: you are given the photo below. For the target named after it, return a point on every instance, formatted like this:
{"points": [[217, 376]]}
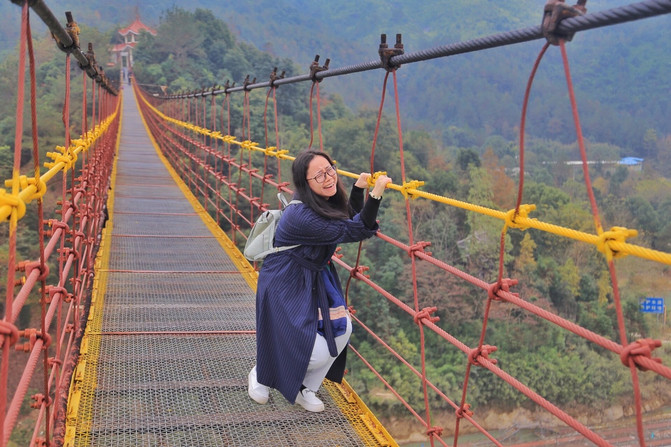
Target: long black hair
{"points": [[335, 207]]}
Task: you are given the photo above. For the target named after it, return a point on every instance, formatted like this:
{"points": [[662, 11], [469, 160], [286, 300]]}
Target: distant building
{"points": [[632, 163], [122, 53]]}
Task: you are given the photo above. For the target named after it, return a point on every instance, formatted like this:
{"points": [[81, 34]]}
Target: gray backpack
{"points": [[261, 237]]}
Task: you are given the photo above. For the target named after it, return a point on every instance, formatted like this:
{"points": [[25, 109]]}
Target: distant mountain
{"points": [[621, 72]]}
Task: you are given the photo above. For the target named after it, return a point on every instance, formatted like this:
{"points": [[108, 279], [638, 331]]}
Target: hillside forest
{"points": [[457, 158]]}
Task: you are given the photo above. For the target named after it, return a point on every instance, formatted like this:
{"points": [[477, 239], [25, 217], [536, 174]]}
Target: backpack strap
{"points": [[285, 204], [284, 201]]}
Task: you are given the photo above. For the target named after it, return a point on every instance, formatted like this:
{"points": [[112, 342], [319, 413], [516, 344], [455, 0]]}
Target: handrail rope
{"points": [[483, 360], [155, 123], [513, 218], [63, 160], [34, 188], [437, 390], [612, 241], [396, 394]]}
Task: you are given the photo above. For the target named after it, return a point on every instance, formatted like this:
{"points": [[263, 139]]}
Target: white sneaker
{"points": [[259, 393], [306, 398]]}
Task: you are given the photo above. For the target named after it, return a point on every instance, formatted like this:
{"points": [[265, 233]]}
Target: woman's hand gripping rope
{"points": [[378, 181]]}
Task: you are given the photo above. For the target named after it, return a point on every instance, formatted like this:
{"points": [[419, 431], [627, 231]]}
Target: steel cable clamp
{"points": [[387, 53], [553, 13], [316, 68]]}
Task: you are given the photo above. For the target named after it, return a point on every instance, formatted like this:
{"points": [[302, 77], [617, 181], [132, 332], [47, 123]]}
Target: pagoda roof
{"points": [[136, 27]]}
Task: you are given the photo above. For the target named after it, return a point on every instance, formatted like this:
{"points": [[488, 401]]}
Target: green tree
{"points": [[525, 262], [467, 158]]}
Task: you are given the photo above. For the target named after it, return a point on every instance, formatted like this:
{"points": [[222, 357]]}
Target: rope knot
{"points": [[411, 185], [504, 284], [373, 178], [464, 411], [13, 201], [28, 267], [481, 351], [419, 247], [434, 431], [53, 290], [425, 314], [359, 270], [40, 399], [40, 187], [58, 224], [247, 144], [10, 331], [351, 310], [640, 348], [33, 335], [66, 156], [522, 212], [616, 235]]}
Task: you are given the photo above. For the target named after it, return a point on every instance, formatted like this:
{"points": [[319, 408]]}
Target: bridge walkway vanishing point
{"points": [[170, 334]]}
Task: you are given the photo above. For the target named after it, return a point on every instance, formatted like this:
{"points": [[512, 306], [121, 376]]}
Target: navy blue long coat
{"points": [[290, 289]]}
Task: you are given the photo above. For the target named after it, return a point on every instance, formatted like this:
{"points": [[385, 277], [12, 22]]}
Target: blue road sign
{"points": [[652, 305]]}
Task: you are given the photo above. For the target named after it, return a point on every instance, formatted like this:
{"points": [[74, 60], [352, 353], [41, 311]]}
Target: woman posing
{"points": [[302, 323]]}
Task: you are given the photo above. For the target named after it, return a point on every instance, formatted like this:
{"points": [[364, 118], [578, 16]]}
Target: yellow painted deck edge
{"points": [[356, 411]]}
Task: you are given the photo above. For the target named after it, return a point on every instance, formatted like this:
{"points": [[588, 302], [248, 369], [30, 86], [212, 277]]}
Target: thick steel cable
{"points": [[614, 16], [66, 44]]}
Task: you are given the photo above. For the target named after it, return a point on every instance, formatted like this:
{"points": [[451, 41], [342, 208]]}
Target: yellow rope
{"points": [[64, 159], [611, 243]]}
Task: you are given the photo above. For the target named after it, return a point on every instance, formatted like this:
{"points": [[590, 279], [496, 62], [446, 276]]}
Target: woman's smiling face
{"points": [[322, 177]]}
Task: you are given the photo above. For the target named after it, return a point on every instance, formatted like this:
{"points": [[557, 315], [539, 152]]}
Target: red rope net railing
{"points": [[60, 279], [219, 160]]}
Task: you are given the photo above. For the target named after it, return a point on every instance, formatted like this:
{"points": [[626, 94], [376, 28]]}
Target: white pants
{"points": [[321, 360]]}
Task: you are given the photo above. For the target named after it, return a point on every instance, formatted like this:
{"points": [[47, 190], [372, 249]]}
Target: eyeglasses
{"points": [[319, 178]]}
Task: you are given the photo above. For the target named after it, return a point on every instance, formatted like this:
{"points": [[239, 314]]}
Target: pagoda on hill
{"points": [[123, 52]]}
